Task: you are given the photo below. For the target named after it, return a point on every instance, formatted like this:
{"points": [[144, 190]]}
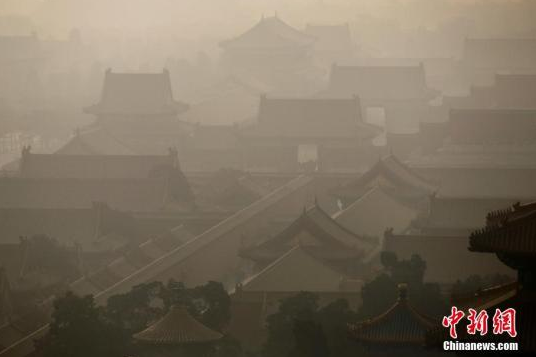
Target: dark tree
{"points": [[309, 340], [78, 329], [382, 292], [301, 328], [213, 305], [377, 296], [134, 310], [334, 319], [474, 283], [302, 306]]}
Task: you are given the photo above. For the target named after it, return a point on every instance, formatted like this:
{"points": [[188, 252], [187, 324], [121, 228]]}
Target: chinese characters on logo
{"points": [[503, 322]]}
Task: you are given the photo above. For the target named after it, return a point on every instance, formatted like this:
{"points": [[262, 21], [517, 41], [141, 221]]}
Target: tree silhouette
{"points": [[79, 329]]}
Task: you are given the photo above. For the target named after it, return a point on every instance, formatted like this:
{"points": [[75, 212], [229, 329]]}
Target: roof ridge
{"points": [[331, 219], [293, 250]]}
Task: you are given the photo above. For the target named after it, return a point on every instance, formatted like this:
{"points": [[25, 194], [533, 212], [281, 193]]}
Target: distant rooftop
{"points": [[137, 94], [269, 33]]}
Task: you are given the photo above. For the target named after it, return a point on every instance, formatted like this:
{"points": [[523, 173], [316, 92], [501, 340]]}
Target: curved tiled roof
{"points": [[508, 233], [177, 327], [326, 239], [400, 324], [137, 93], [393, 171], [95, 166], [270, 32], [297, 117]]}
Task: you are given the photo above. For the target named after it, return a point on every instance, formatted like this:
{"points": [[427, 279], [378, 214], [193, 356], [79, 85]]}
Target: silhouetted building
{"points": [[272, 51], [138, 111], [516, 91], [400, 331], [135, 97], [96, 166], [320, 236], [308, 134], [127, 183], [271, 43], [176, 333], [491, 129], [399, 94], [446, 256], [297, 270], [375, 211], [94, 141], [510, 235], [492, 126], [393, 177]]}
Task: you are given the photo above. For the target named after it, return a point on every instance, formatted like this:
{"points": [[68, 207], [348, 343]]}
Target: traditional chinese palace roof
{"points": [[392, 175], [94, 141], [508, 231], [177, 327], [95, 166], [269, 33], [514, 91], [296, 270], [311, 118], [135, 195], [400, 324], [510, 234], [318, 234], [137, 94], [374, 212]]}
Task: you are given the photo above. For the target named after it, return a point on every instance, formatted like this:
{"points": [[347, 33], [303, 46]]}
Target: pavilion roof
{"points": [[177, 327], [400, 324]]}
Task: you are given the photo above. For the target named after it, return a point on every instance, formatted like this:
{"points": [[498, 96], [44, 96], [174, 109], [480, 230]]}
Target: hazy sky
{"points": [[223, 17]]}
